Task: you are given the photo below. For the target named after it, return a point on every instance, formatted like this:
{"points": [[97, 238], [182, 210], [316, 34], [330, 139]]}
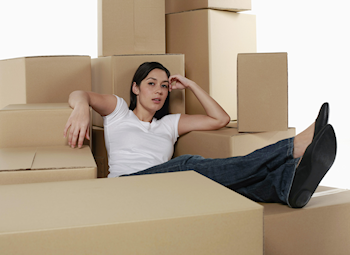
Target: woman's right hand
{"points": [[78, 125]]}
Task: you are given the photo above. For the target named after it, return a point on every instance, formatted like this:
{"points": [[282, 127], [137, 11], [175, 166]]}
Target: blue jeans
{"points": [[264, 175]]}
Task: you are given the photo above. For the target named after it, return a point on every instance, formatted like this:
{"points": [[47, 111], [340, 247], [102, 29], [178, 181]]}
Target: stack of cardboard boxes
{"points": [[34, 110], [219, 44], [173, 213]]}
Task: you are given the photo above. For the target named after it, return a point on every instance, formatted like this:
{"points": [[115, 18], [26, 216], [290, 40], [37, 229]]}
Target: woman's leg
{"points": [[263, 175]]}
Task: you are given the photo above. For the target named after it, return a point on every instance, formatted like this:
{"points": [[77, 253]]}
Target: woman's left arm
{"points": [[216, 117]]}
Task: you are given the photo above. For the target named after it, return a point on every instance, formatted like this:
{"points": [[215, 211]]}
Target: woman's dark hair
{"points": [[140, 74]]}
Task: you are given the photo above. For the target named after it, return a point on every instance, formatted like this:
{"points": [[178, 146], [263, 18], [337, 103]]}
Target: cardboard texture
{"points": [[43, 79], [211, 40], [99, 151], [24, 125], [262, 90], [173, 6], [131, 27], [172, 213], [227, 142], [45, 164], [113, 75], [322, 227]]}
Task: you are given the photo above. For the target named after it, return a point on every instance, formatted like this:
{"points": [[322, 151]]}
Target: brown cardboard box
{"points": [[172, 213], [113, 75], [45, 164], [99, 151], [262, 90], [173, 6], [322, 227], [131, 27], [25, 125], [43, 79], [210, 40], [227, 142]]}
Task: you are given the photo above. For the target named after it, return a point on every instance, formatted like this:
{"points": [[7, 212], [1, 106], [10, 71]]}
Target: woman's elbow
{"points": [[226, 120], [223, 121]]}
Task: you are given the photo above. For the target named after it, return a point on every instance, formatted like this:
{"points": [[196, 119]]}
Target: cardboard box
{"points": [[211, 40], [131, 27], [45, 164], [99, 151], [322, 227], [173, 6], [113, 75], [262, 90], [43, 79], [227, 142], [24, 125], [172, 213]]}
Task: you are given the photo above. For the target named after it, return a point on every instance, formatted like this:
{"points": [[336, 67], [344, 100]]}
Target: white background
{"points": [[314, 33]]}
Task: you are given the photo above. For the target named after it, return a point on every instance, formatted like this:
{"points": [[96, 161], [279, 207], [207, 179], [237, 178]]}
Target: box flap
{"points": [[62, 157], [36, 158], [12, 159]]}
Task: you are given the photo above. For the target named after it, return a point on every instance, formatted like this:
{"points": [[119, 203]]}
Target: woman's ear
{"points": [[135, 89]]}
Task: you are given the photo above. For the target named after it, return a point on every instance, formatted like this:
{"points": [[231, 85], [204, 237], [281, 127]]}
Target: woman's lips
{"points": [[156, 100]]}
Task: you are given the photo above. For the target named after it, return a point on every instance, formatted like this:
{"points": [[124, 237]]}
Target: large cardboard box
{"points": [[172, 213], [99, 151], [227, 142], [131, 27], [322, 227], [211, 40], [45, 164], [47, 79], [173, 6], [262, 91], [25, 125], [113, 75]]}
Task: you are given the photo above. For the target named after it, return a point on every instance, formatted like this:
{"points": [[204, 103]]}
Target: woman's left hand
{"points": [[178, 81]]}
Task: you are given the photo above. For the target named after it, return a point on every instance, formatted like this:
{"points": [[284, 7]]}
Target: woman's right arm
{"points": [[79, 121]]}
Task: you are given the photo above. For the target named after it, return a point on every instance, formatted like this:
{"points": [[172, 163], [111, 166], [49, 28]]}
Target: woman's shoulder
{"points": [[120, 109], [171, 119]]}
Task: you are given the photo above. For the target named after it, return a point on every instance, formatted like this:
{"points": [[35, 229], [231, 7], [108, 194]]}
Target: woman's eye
{"points": [[165, 86], [151, 83]]}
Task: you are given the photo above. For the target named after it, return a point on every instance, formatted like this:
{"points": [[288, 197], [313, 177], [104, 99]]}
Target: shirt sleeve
{"points": [[172, 122], [119, 112]]}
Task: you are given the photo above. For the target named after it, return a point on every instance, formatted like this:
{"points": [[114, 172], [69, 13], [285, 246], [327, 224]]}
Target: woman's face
{"points": [[153, 90]]}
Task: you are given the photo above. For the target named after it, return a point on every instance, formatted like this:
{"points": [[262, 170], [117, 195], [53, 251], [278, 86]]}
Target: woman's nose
{"points": [[159, 90]]}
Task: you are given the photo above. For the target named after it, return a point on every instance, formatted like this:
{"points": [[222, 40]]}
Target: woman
{"points": [[140, 140]]}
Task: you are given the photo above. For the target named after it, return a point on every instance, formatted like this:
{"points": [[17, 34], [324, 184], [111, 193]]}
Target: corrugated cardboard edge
{"points": [[329, 192], [46, 56]]}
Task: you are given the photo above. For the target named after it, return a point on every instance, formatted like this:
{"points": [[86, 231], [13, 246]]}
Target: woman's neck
{"points": [[143, 115]]}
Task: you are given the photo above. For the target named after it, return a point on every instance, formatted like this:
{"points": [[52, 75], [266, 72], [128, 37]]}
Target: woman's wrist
{"points": [[78, 98], [192, 85]]}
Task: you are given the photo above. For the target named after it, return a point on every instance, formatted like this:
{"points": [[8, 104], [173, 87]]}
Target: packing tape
{"points": [[328, 192]]}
